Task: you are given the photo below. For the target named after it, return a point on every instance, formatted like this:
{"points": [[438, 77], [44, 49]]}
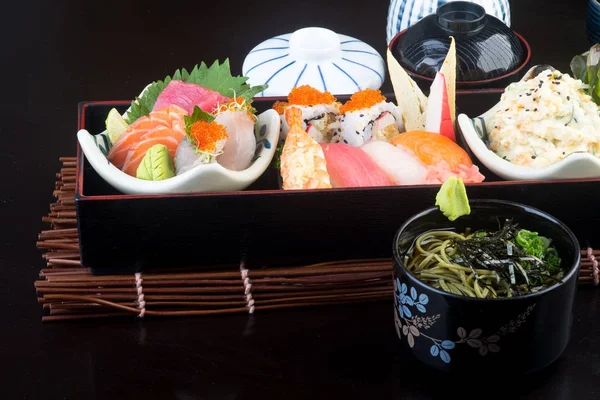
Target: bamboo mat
{"points": [[67, 291]]}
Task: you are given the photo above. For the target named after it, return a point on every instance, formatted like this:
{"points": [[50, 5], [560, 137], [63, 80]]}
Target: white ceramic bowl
{"points": [[475, 132], [314, 56], [202, 178]]}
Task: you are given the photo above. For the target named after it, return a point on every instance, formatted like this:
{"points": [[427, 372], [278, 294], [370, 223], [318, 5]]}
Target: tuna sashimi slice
{"points": [[349, 166], [188, 95]]}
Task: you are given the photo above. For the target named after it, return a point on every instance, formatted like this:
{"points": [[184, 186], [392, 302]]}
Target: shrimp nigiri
{"points": [[303, 164]]}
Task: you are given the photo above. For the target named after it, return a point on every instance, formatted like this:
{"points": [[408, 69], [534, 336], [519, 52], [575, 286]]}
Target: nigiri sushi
{"points": [[367, 115], [303, 164], [442, 155], [319, 111], [350, 166], [402, 167]]}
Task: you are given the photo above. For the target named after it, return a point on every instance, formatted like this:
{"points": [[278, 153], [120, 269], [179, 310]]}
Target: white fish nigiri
{"points": [[402, 167], [241, 144]]}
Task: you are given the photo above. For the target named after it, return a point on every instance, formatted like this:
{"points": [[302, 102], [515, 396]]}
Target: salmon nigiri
{"points": [[441, 154], [303, 163], [431, 148], [165, 126]]}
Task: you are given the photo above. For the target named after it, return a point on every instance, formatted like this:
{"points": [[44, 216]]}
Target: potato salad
{"points": [[543, 120]]}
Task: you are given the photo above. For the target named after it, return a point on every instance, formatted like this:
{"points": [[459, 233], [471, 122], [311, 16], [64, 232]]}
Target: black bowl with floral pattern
{"points": [[475, 336]]}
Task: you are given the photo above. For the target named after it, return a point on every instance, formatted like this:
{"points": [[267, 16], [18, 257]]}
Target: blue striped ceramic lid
{"points": [[593, 21], [314, 56], [404, 13]]}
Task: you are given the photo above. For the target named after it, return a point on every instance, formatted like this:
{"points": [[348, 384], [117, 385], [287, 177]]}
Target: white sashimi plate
{"points": [[579, 165], [202, 178]]}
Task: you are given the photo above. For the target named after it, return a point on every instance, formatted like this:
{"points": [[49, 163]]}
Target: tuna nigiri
{"points": [[349, 166], [402, 167], [164, 126], [187, 96], [303, 164]]}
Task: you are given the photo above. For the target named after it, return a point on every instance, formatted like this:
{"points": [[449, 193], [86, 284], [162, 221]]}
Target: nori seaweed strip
{"points": [[489, 250]]}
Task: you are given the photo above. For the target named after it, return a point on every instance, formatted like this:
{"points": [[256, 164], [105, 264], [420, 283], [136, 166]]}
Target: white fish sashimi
{"points": [[241, 144], [402, 167], [186, 157]]}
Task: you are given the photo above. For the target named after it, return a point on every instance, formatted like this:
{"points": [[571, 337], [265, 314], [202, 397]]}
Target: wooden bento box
{"points": [[265, 225]]}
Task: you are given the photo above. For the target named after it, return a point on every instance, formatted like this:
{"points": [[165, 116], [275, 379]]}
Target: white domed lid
{"points": [[317, 57]]}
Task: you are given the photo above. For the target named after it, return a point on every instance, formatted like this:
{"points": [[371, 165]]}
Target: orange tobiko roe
{"points": [[206, 135], [280, 106], [363, 99], [307, 95], [431, 148]]}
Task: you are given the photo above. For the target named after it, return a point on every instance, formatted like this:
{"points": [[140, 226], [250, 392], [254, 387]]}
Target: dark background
{"points": [[58, 53]]}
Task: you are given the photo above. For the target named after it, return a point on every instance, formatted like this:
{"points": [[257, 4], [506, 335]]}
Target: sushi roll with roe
{"points": [[319, 111], [367, 115]]}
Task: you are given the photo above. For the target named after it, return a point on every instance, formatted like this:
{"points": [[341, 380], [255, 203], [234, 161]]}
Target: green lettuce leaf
{"points": [[217, 77]]}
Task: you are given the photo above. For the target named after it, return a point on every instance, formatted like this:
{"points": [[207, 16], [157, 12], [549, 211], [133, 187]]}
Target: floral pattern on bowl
{"points": [[314, 56], [202, 178], [412, 322], [475, 133]]}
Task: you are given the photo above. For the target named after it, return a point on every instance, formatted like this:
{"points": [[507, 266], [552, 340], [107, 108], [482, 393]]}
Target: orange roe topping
{"points": [[206, 135], [280, 106], [306, 95], [363, 99]]}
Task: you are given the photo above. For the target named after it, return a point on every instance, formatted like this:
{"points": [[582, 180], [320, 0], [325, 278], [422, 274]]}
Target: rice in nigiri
{"points": [[367, 115], [319, 111]]}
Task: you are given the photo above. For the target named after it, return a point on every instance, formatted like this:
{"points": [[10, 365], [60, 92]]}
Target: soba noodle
{"points": [[473, 264]]}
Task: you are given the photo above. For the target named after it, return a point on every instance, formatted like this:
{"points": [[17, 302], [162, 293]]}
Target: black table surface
{"points": [[58, 53]]}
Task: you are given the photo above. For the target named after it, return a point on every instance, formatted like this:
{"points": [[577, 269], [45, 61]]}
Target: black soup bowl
{"points": [[475, 336]]}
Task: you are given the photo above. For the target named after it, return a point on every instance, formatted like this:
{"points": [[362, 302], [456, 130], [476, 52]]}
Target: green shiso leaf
{"points": [[217, 77], [197, 115]]}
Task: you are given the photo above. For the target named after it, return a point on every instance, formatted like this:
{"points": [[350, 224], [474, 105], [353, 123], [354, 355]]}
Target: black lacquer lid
{"points": [[485, 47]]}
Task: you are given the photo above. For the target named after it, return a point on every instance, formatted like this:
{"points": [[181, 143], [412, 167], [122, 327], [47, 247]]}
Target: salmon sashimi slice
{"points": [[169, 117], [135, 155], [303, 164], [350, 166], [431, 148]]}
